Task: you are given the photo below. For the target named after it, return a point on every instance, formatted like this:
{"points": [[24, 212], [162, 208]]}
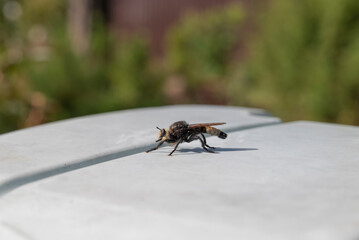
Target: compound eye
{"points": [[163, 132]]}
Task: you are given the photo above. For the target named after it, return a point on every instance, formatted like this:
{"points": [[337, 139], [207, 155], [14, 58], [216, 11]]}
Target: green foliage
{"points": [[302, 63], [305, 61], [200, 45], [42, 79], [133, 82], [14, 89], [108, 77]]}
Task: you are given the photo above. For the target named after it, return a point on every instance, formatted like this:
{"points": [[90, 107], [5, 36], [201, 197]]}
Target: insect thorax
{"points": [[178, 125]]}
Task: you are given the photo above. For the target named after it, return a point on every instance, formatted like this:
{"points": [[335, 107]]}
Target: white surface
{"points": [[289, 181], [36, 153]]}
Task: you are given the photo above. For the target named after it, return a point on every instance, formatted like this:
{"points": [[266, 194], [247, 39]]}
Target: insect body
{"points": [[181, 131]]}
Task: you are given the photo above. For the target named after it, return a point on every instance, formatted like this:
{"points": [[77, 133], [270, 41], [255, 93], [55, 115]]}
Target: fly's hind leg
{"points": [[205, 142], [202, 142]]}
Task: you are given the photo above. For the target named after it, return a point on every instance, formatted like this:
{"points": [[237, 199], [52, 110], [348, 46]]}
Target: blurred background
{"points": [[61, 59]]}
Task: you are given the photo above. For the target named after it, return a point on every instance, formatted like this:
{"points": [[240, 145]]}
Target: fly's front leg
{"points": [[205, 142], [175, 147], [155, 148]]}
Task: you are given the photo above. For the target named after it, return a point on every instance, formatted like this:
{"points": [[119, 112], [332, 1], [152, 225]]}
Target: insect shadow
{"points": [[217, 150]]}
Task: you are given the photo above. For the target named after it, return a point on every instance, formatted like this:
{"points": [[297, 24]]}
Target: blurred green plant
{"points": [[110, 76], [42, 79], [200, 47], [14, 90], [304, 61], [134, 82]]}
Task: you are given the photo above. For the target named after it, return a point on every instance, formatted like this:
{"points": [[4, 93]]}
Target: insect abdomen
{"points": [[216, 132]]}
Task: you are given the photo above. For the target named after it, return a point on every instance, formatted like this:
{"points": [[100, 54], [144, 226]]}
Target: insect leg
{"points": [[205, 142], [175, 147], [155, 148], [204, 146], [202, 142]]}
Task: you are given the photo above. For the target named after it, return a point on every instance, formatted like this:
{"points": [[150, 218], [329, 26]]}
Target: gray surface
{"points": [[36, 153], [288, 181]]}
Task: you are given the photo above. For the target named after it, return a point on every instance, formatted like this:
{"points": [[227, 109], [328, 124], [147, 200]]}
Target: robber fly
{"points": [[181, 131]]}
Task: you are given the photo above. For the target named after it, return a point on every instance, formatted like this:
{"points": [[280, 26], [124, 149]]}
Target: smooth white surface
{"points": [[35, 153], [289, 181]]}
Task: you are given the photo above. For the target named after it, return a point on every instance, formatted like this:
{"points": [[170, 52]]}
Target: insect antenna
{"points": [[161, 134]]}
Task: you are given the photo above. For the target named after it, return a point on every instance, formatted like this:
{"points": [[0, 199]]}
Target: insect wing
{"points": [[198, 125]]}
